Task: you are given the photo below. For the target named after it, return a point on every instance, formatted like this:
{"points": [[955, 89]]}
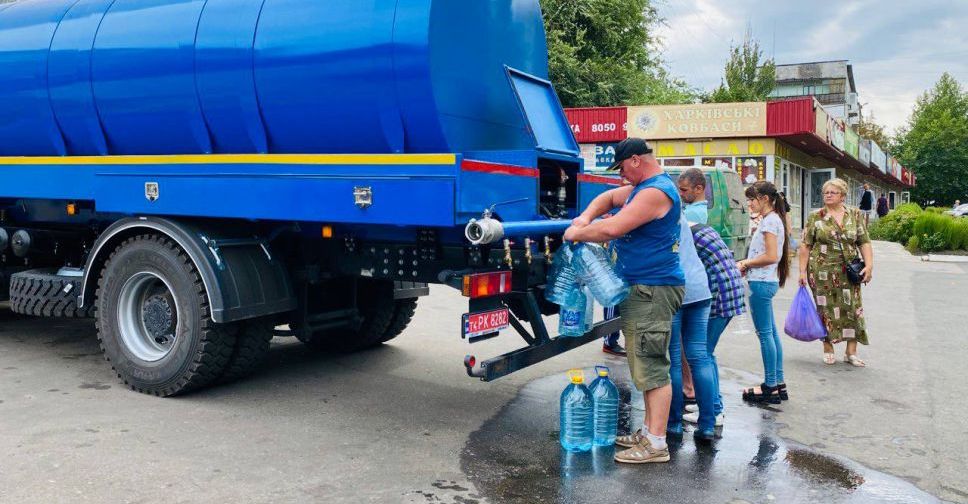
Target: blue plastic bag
{"points": [[803, 322]]}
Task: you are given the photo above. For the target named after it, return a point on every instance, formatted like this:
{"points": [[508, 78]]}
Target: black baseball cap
{"points": [[628, 148]]}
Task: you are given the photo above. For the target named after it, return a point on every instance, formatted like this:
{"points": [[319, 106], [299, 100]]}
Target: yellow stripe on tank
{"points": [[190, 159]]}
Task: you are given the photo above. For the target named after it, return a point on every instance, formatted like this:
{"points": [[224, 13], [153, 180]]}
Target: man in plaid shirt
{"points": [[726, 286]]}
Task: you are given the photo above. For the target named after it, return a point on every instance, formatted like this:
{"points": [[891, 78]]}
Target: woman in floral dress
{"points": [[831, 239]]}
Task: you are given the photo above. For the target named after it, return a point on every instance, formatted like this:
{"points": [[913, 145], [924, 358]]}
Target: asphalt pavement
{"points": [[403, 423]]}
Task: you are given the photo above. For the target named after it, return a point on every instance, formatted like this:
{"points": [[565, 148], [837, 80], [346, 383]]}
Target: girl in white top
{"points": [[766, 267]]}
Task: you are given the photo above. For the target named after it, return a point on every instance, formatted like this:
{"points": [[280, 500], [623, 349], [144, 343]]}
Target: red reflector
{"points": [[481, 285]]}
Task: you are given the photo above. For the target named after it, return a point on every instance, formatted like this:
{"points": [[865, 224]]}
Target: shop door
{"points": [[813, 193]]}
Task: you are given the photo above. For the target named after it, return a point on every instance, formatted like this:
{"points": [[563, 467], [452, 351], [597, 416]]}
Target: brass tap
{"points": [[507, 253], [547, 251], [527, 250]]}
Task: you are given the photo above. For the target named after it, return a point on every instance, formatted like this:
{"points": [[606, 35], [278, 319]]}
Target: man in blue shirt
{"points": [[645, 235], [692, 190]]}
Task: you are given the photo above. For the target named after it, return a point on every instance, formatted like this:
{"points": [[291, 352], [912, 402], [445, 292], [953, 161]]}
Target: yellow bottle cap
{"points": [[576, 375], [602, 371]]}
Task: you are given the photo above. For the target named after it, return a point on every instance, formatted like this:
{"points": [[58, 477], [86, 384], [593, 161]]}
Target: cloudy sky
{"points": [[898, 48]]}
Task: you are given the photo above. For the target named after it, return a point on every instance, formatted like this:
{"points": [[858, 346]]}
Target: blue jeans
{"points": [[771, 349], [689, 332], [716, 327], [611, 339]]}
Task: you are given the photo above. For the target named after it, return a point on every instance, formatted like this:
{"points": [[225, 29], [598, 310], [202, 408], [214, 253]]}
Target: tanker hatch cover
{"points": [[542, 112]]}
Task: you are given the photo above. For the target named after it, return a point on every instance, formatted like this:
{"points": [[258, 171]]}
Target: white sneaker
{"points": [[694, 418], [692, 408]]}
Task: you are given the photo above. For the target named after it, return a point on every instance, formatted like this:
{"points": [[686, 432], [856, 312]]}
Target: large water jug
{"points": [[605, 405], [576, 421], [596, 271], [589, 309], [562, 279], [571, 317]]}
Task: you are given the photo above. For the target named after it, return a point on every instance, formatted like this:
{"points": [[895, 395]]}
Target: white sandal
{"points": [[854, 360], [829, 359]]}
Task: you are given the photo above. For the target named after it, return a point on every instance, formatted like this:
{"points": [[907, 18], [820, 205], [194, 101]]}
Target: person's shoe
{"points": [[704, 435], [692, 408], [784, 396], [689, 401], [630, 440], [694, 418], [615, 349], [642, 453]]}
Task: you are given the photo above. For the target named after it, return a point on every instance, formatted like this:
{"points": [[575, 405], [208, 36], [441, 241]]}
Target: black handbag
{"points": [[853, 268]]}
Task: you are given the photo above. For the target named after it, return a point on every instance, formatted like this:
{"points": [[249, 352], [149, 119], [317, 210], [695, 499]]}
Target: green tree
{"points": [[605, 53], [870, 129], [934, 143], [748, 76]]}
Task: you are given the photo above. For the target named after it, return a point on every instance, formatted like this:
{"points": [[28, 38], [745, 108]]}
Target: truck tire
{"points": [[403, 312], [251, 349], [377, 309], [43, 293], [153, 320]]}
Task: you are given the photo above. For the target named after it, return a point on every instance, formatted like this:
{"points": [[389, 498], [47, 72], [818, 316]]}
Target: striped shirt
{"points": [[725, 280]]}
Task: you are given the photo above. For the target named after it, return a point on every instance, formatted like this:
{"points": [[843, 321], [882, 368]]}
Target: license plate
{"points": [[479, 324]]}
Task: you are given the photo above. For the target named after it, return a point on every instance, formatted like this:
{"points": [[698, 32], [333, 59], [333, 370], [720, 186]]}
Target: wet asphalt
{"points": [[515, 458], [404, 424]]}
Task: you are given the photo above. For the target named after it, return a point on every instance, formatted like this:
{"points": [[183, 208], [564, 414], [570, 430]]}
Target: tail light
{"points": [[481, 285]]}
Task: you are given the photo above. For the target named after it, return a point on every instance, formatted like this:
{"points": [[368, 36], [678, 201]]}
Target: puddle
{"points": [[515, 458]]}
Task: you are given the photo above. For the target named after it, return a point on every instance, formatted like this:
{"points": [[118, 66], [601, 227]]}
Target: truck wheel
{"points": [[251, 350], [377, 309], [153, 319], [403, 312], [43, 293]]}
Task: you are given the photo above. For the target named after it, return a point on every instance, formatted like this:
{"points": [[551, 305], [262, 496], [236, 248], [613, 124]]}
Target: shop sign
{"points": [[822, 122], [865, 152], [591, 125], [878, 157], [756, 147], [598, 157], [704, 120], [851, 142], [835, 133]]}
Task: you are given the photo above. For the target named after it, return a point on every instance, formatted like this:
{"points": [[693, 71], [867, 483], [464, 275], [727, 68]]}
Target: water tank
{"points": [[97, 77]]}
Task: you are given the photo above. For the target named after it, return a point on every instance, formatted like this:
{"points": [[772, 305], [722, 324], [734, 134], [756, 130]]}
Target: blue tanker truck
{"points": [[199, 174]]}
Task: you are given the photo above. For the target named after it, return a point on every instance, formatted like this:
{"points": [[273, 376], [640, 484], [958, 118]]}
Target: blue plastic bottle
{"points": [[562, 278], [571, 317], [589, 309], [576, 421], [605, 401], [596, 271]]}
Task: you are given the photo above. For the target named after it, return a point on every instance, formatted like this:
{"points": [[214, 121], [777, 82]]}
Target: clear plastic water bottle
{"points": [[589, 309], [562, 278], [596, 271], [576, 420], [605, 401], [571, 317]]}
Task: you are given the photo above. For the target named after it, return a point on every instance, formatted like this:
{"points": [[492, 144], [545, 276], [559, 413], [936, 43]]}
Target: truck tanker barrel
{"points": [[124, 77]]}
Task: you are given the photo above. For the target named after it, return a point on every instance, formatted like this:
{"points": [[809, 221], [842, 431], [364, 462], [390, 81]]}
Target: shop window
{"points": [[725, 163], [679, 162], [751, 169]]}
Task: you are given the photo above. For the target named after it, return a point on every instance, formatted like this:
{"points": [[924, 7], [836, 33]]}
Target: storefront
{"points": [[792, 143]]}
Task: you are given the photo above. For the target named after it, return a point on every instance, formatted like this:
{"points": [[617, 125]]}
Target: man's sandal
{"points": [[630, 440], [642, 453], [829, 359], [854, 360]]}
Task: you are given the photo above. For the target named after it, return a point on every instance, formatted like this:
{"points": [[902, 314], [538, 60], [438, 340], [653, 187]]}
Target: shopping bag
{"points": [[803, 322]]}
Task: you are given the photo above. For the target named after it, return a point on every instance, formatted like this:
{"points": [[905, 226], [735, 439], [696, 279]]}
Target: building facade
{"points": [[830, 82], [794, 143]]}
